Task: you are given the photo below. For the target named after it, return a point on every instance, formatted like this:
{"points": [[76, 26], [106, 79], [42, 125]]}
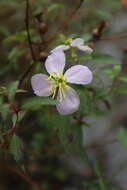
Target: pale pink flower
{"points": [[76, 43], [56, 83]]}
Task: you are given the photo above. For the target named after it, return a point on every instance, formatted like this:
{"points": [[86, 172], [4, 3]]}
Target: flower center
{"points": [[60, 80], [68, 41], [59, 83]]}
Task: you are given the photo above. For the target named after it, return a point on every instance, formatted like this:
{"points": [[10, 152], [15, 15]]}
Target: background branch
{"points": [[30, 45], [66, 22], [24, 176]]}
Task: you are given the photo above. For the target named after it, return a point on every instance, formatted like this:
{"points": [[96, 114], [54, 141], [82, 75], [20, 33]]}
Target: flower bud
{"points": [[43, 27], [42, 56]]}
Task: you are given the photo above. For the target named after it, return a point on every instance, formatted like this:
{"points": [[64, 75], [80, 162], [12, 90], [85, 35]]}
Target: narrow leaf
{"points": [[36, 101], [15, 148]]}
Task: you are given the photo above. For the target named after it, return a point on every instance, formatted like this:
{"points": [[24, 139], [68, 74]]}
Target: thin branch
{"points": [[116, 37], [28, 31], [66, 21], [24, 176], [30, 44], [112, 37], [72, 15]]}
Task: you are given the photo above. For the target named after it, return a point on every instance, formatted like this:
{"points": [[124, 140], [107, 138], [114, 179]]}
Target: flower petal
{"points": [[78, 74], [41, 85], [71, 102], [86, 49], [77, 42], [60, 48], [55, 62]]}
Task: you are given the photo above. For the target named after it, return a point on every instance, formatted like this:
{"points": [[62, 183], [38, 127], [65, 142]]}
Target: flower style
{"points": [[76, 43], [56, 83]]}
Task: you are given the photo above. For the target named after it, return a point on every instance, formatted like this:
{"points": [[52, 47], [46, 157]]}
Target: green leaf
{"points": [[121, 90], [2, 90], [105, 58], [15, 53], [116, 69], [21, 115], [55, 6], [104, 14], [15, 148], [85, 57], [12, 88], [14, 119], [87, 125], [19, 37], [86, 37], [37, 101], [61, 39], [101, 182], [87, 105], [112, 72], [5, 108], [123, 78]]}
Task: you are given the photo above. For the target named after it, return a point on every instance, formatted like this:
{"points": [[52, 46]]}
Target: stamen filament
{"points": [[55, 91], [59, 81]]}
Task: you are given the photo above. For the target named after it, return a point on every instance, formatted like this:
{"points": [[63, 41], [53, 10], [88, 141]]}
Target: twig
{"points": [[30, 45], [24, 176], [28, 31], [71, 16], [112, 37], [116, 37], [66, 22]]}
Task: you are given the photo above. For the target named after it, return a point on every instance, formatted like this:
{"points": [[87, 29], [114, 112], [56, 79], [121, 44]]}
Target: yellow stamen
{"points": [[55, 91], [51, 86], [68, 41], [50, 76], [58, 81], [62, 92]]}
